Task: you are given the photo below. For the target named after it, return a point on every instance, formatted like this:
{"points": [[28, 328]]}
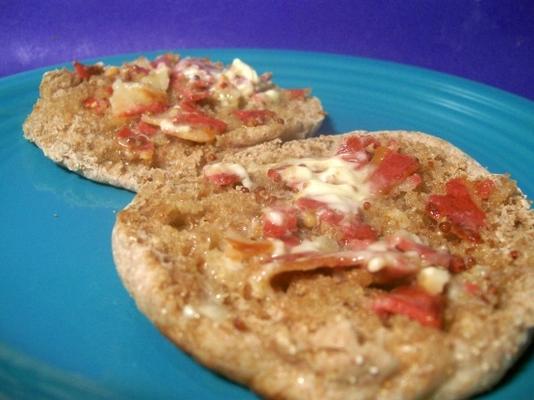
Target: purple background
{"points": [[488, 41]]}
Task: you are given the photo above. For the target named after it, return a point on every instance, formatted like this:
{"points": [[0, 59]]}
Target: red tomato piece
{"points": [[284, 227], [199, 119], [459, 209], [413, 302], [393, 169], [224, 179], [254, 117]]}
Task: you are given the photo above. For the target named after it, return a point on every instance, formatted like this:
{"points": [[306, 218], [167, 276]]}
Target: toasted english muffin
{"points": [[384, 265], [126, 125]]}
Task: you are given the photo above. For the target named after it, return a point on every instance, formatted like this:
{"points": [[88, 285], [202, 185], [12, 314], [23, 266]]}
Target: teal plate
{"points": [[67, 327]]}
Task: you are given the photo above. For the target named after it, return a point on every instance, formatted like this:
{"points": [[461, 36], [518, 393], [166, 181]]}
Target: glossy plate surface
{"points": [[67, 327]]}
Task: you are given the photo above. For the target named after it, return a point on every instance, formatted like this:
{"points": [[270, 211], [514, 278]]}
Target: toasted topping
{"points": [[298, 94], [392, 169], [279, 222], [484, 188], [242, 76], [412, 302], [86, 71], [254, 117], [458, 208], [433, 279], [332, 181], [134, 98], [223, 174], [405, 241]]}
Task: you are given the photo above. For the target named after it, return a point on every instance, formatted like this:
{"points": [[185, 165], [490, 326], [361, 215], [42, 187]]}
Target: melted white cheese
{"points": [[333, 181], [242, 76]]}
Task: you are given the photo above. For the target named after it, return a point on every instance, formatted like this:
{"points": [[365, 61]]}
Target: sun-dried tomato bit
{"points": [[392, 169], [201, 120], [359, 230], [298, 94], [412, 302], [321, 210], [429, 256], [458, 208], [152, 108], [484, 188], [146, 128], [86, 71], [457, 264], [356, 150], [279, 222], [253, 118]]}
